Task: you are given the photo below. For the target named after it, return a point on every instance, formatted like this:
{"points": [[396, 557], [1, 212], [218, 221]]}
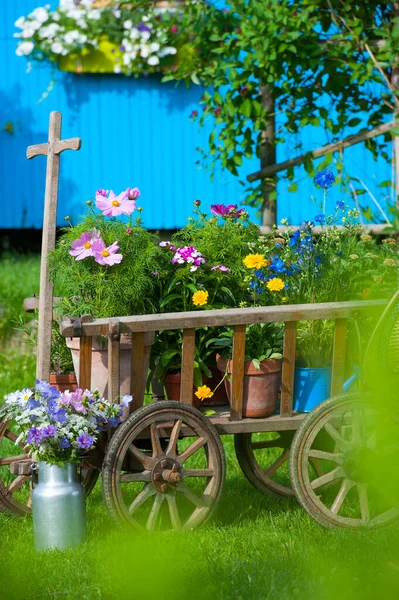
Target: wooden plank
{"points": [[85, 356], [187, 367], [137, 379], [31, 304], [113, 361], [380, 229], [288, 370], [323, 150], [229, 316], [338, 362], [237, 383]]}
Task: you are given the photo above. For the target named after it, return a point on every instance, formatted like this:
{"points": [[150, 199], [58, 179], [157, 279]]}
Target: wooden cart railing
{"points": [[86, 328]]}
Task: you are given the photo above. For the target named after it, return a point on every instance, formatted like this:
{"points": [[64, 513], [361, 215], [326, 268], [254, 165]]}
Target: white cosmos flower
{"points": [[39, 14], [24, 48], [128, 24], [20, 22]]}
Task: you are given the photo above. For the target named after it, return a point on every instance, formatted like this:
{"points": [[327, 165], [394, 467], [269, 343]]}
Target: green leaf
{"points": [[386, 183], [293, 187], [246, 108], [168, 299], [394, 131], [256, 363], [194, 79]]}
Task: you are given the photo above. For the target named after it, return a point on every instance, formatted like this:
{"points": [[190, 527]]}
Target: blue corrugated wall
{"points": [[135, 132]]}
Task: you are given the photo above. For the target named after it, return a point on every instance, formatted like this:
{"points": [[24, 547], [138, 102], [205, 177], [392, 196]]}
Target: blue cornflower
{"points": [[114, 421], [294, 239], [260, 275], [32, 404], [324, 179], [340, 205], [320, 219], [254, 285], [277, 265]]}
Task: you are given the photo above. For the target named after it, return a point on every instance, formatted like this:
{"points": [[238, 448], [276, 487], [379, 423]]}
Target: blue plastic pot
{"points": [[311, 387]]}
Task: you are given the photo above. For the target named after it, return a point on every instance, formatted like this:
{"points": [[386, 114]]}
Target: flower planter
{"points": [[172, 386], [100, 362], [261, 386], [64, 382], [101, 60], [311, 387]]}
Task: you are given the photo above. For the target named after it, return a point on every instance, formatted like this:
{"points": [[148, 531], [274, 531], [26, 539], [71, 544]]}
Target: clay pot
{"points": [[64, 382], [261, 386], [172, 386], [99, 363]]}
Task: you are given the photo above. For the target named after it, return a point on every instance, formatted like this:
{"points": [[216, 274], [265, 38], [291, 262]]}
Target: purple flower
{"points": [[84, 440], [82, 247], [221, 210], [221, 268], [102, 192], [104, 255], [324, 179], [129, 230], [114, 421], [167, 245], [49, 431], [34, 436], [64, 442], [188, 255], [126, 400], [154, 274], [142, 27], [32, 404]]}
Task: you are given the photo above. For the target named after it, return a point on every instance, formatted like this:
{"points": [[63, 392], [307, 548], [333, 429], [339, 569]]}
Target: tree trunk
{"points": [[267, 158]]}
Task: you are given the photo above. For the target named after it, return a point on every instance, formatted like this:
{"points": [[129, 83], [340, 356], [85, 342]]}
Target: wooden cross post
{"points": [[52, 149]]}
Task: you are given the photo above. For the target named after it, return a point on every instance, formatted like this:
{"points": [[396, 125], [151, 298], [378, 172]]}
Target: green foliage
{"points": [[315, 343], [325, 63], [107, 291]]}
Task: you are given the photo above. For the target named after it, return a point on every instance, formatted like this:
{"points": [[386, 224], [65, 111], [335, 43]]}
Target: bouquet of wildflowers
{"points": [[59, 427]]}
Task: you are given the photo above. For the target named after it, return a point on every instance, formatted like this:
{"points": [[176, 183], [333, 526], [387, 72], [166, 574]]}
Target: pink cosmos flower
{"points": [[102, 192], [82, 248], [113, 206], [133, 193], [221, 210], [106, 256]]}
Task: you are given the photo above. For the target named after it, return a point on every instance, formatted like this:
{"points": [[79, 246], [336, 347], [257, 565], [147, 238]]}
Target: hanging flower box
{"points": [[104, 37]]}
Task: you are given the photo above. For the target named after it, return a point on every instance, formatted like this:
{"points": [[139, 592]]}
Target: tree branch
{"points": [[323, 150]]}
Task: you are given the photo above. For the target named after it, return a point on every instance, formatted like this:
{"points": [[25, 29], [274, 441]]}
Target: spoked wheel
{"points": [[15, 474], [175, 484], [263, 458], [354, 488]]}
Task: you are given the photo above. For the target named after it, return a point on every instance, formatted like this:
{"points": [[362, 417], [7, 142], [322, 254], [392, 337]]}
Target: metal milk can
{"points": [[58, 507]]}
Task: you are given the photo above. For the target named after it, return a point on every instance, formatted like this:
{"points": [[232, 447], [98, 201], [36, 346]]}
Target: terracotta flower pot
{"points": [[64, 382], [99, 368], [172, 386], [261, 386]]}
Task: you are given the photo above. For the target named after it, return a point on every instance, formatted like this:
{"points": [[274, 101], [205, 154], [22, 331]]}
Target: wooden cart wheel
{"points": [[162, 489], [352, 489], [263, 458], [15, 474]]}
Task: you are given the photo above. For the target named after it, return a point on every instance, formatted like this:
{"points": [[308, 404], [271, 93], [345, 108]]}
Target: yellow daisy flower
{"points": [[200, 298], [204, 392], [275, 285], [255, 261]]}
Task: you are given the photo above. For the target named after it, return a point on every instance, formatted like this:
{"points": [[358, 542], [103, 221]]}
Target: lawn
{"points": [[255, 547]]}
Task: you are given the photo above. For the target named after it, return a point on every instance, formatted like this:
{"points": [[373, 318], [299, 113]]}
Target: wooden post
{"points": [[113, 361], [137, 377], [338, 361], [268, 157], [288, 371], [187, 367], [237, 383], [52, 149], [85, 354]]}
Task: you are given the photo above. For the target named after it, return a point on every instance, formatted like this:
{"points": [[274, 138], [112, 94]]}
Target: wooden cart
{"points": [[164, 467]]}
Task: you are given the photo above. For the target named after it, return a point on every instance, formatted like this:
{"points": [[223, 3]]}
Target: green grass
{"points": [[256, 547]]}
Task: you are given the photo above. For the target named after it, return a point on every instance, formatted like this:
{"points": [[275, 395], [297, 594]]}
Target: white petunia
{"points": [[169, 50], [128, 24], [94, 14], [86, 3], [117, 13], [28, 32], [144, 51], [117, 69], [82, 23], [49, 31], [145, 36], [71, 36], [134, 34], [153, 61], [75, 14], [20, 22], [58, 48], [154, 47], [40, 14]]}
